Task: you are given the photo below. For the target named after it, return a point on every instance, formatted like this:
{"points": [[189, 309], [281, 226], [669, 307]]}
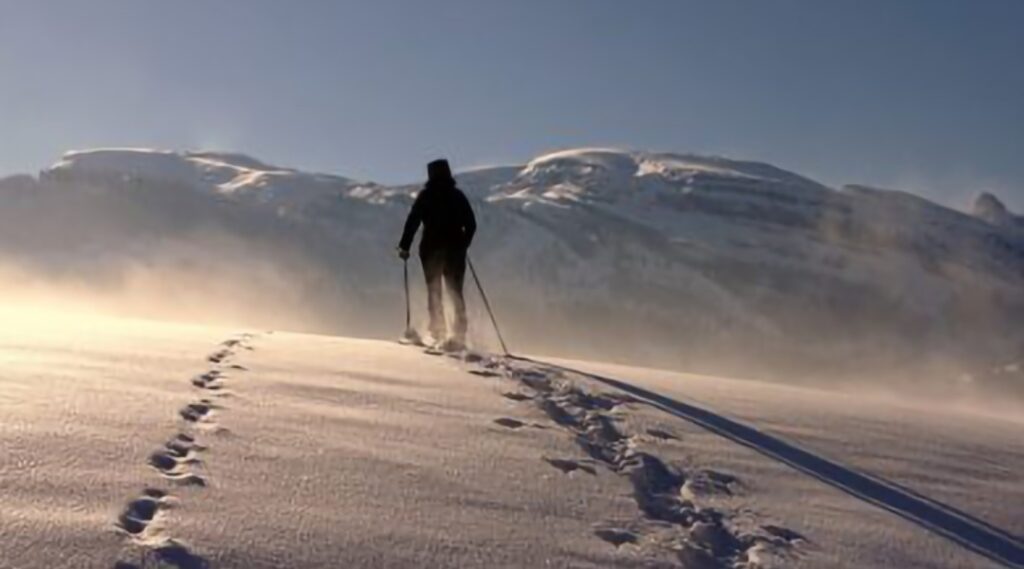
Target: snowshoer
{"points": [[448, 229]]}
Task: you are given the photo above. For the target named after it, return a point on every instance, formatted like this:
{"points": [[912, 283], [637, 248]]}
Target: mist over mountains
{"points": [[674, 260]]}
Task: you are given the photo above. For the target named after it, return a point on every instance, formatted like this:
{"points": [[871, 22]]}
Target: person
{"points": [[448, 229]]}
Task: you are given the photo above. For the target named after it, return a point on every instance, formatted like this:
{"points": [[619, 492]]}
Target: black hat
{"points": [[439, 171]]}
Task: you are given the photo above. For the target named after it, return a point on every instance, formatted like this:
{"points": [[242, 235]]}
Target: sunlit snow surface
{"points": [[139, 444]]}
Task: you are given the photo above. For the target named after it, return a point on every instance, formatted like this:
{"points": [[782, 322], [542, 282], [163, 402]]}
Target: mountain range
{"points": [[674, 260]]}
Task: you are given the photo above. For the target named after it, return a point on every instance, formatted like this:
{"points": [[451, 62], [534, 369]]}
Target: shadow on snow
{"points": [[938, 518]]}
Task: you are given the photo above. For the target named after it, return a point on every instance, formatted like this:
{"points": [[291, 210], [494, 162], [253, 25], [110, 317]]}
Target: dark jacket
{"points": [[448, 220]]}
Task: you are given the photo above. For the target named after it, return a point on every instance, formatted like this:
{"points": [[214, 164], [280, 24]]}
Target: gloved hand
{"points": [[403, 254]]}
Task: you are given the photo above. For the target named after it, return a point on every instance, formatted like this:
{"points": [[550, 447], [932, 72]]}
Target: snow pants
{"points": [[445, 269]]}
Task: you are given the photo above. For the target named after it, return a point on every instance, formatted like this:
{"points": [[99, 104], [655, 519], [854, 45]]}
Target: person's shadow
{"points": [[941, 519]]}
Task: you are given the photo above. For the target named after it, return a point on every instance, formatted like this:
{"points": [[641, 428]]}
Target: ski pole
{"points": [[408, 311], [487, 305], [411, 336]]}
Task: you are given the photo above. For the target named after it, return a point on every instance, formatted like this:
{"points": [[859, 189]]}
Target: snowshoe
{"points": [[452, 345], [411, 338], [433, 350]]}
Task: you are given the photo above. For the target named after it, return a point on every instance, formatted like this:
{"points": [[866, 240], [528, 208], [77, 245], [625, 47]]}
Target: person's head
{"points": [[439, 173]]}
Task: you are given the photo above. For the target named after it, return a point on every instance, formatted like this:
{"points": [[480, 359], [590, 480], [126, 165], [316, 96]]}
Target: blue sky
{"points": [[920, 95]]}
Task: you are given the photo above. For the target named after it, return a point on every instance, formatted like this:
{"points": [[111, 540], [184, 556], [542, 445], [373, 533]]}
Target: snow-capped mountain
{"points": [[217, 173], [991, 209], [670, 259]]}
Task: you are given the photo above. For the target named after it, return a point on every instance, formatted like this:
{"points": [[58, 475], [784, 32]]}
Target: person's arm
{"points": [[468, 222], [412, 223]]}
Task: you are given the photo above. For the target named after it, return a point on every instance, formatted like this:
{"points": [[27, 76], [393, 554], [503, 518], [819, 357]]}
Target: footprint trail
{"points": [[674, 518], [178, 462]]}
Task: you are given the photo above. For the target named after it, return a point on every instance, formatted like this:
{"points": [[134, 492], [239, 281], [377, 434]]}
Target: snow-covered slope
{"points": [[137, 445], [686, 261], [214, 172]]}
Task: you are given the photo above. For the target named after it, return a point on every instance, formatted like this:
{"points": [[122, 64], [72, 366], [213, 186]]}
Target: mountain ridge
{"points": [[120, 161], [673, 259]]}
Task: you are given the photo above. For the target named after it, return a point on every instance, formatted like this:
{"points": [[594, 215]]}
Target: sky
{"points": [[925, 96]]}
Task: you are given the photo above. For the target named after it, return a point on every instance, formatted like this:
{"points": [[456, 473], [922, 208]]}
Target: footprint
{"points": [[164, 462], [219, 356], [138, 514], [196, 412], [183, 446], [510, 423], [663, 435], [708, 483], [516, 396], [557, 413], [484, 373], [696, 557], [175, 453], [784, 533], [209, 380], [570, 466], [714, 537], [615, 536], [176, 555], [534, 380], [173, 460], [238, 367]]}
